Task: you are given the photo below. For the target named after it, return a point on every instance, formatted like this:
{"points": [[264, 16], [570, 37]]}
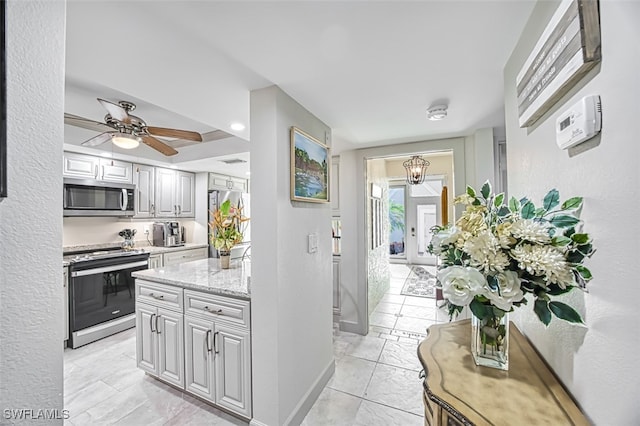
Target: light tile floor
{"points": [[376, 380]]}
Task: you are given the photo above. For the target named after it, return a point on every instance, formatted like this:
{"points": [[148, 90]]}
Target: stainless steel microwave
{"points": [[86, 197]]}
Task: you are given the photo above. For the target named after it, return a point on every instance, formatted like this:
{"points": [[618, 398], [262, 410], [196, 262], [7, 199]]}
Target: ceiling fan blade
{"points": [[158, 146], [98, 140], [175, 133], [85, 123], [115, 110]]}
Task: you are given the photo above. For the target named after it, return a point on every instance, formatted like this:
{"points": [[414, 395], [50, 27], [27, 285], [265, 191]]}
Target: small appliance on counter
{"points": [[167, 234]]}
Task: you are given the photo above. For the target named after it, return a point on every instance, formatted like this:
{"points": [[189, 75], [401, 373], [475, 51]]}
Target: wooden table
{"points": [[457, 392]]}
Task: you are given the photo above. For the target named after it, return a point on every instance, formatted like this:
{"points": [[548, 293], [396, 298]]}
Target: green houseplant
{"points": [[227, 226]]}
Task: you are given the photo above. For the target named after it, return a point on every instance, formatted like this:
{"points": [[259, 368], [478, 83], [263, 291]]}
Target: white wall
{"points": [[291, 290], [31, 292], [598, 363]]}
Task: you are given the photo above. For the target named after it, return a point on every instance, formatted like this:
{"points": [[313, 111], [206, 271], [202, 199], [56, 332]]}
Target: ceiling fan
{"points": [[127, 131]]}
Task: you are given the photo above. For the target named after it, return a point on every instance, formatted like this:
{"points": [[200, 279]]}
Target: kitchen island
{"points": [[193, 330]]}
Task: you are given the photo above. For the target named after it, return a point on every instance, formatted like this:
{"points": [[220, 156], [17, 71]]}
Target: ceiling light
{"points": [[126, 141], [416, 168], [238, 127], [437, 112]]}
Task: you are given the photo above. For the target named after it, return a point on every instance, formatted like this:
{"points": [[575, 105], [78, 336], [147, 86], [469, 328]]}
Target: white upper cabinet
{"points": [[89, 167], [144, 178], [185, 194], [174, 193], [166, 205], [217, 181]]}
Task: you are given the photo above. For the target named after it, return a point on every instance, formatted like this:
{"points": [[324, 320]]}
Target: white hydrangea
{"points": [[546, 261], [486, 253], [529, 230]]}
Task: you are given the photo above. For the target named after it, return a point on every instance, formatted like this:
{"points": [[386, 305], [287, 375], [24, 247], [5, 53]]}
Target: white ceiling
{"points": [[368, 69]]}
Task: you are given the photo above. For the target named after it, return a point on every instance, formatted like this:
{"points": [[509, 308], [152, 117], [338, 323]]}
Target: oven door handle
{"points": [[120, 267]]}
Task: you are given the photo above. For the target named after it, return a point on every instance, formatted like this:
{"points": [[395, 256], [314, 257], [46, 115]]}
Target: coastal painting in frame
{"points": [[309, 168]]}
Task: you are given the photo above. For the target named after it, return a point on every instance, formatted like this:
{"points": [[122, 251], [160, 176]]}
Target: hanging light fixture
{"points": [[416, 168]]}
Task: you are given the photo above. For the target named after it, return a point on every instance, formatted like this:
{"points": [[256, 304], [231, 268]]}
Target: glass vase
{"points": [[490, 341], [128, 244]]}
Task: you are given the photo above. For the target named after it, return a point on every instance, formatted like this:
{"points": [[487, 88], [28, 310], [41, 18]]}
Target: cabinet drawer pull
{"points": [[218, 312], [161, 297]]}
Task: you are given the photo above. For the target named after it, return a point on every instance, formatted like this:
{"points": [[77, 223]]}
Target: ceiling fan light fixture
{"points": [[437, 112], [125, 141]]}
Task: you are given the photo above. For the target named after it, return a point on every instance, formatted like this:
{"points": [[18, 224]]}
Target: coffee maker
{"points": [[167, 234]]}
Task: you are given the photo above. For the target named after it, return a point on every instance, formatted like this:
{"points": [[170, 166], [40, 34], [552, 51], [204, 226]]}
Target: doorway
{"points": [[423, 213]]}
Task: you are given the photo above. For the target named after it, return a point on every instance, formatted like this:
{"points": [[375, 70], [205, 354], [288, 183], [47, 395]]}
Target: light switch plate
{"points": [[312, 245]]}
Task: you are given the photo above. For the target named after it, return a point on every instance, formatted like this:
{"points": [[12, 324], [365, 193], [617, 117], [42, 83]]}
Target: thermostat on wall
{"points": [[580, 122]]}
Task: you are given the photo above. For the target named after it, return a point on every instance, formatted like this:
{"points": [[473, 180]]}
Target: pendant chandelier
{"points": [[416, 168]]}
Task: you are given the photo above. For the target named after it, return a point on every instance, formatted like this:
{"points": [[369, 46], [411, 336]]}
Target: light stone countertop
{"points": [[138, 245], [205, 275]]}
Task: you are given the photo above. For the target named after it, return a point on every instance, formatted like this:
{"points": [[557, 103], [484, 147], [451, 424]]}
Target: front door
{"points": [[423, 213]]}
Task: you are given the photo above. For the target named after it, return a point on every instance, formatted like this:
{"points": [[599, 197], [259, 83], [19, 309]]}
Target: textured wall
{"points": [[292, 292], [378, 259], [31, 292], [599, 362]]}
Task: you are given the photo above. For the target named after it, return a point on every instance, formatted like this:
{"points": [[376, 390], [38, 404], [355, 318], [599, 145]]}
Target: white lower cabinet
{"points": [[214, 345], [160, 343], [233, 368], [181, 256]]}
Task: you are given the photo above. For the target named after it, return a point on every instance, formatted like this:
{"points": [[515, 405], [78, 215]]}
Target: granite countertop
{"points": [[205, 275]]}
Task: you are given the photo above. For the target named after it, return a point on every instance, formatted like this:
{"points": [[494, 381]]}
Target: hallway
{"points": [[376, 381]]}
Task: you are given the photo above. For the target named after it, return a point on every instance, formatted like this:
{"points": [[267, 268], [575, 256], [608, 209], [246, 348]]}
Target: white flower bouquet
{"points": [[495, 254]]}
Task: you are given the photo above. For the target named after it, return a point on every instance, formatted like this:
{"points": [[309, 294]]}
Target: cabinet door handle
{"points": [[215, 346], [102, 175], [175, 209], [151, 322], [157, 329], [179, 209], [211, 311], [207, 337], [153, 209], [161, 297], [95, 174]]}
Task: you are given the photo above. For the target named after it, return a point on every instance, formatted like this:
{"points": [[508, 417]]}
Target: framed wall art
{"points": [[310, 167], [567, 49]]}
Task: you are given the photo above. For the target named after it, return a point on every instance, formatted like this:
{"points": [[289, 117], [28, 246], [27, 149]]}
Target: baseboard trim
{"points": [[351, 327], [307, 401], [255, 422]]}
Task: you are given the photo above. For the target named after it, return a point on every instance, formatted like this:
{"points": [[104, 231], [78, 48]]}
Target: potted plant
{"points": [[227, 228]]}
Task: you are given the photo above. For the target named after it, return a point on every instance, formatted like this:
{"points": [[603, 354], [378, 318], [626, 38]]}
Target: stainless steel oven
{"points": [[102, 294]]}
